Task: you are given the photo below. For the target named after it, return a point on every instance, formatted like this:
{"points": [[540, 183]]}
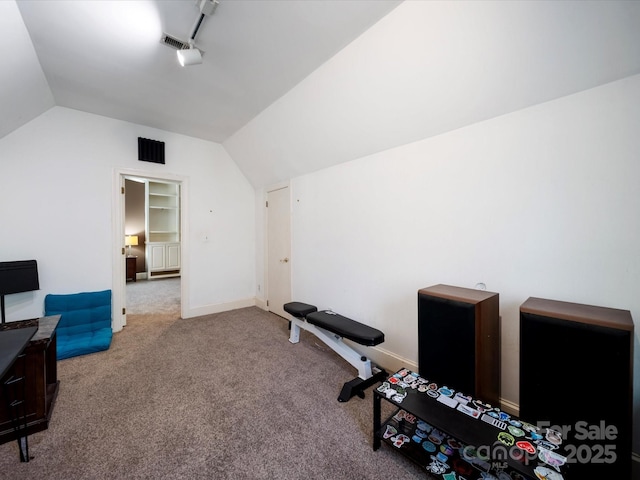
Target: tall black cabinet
{"points": [[459, 340], [576, 372]]}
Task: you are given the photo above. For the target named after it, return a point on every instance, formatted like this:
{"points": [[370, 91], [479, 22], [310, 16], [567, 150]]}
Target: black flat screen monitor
{"points": [[17, 277]]}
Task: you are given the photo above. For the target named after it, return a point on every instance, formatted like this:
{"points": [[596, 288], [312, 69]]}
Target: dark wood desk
{"points": [[12, 343], [41, 378]]}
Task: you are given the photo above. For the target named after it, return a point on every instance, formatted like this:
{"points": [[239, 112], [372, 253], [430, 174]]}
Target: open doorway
{"points": [[152, 236]]}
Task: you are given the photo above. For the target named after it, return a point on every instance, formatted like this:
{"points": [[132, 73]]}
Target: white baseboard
{"points": [[262, 303], [390, 361], [221, 307], [510, 407]]}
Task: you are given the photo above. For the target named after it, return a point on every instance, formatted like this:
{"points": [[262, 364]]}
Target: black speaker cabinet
{"points": [[576, 373], [459, 340]]}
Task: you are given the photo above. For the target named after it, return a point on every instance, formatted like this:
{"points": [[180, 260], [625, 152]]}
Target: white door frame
{"points": [[267, 190], [118, 282]]}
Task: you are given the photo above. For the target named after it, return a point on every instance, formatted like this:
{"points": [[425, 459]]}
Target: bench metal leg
{"points": [[357, 386]]}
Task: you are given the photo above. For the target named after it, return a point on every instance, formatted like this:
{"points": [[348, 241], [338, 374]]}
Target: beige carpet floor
{"points": [[222, 396]]}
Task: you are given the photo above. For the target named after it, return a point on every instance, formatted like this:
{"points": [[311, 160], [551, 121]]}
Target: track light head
{"points": [[189, 56]]}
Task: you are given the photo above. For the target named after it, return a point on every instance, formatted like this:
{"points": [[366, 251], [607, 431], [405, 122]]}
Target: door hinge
{"points": [[267, 303], [122, 190], [124, 311], [122, 250], [266, 204]]}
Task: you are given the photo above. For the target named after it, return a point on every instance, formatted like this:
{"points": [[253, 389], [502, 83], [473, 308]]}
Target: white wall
{"points": [[429, 67], [541, 202], [56, 198]]}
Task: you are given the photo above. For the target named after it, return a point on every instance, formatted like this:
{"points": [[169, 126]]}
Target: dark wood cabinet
{"points": [[131, 268], [41, 377], [459, 339], [576, 373]]}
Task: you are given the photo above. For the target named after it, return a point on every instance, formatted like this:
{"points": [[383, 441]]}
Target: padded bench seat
{"points": [[346, 328], [299, 309], [331, 328]]}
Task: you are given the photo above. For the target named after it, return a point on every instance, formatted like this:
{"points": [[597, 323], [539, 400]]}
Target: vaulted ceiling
{"points": [[105, 57], [291, 86]]}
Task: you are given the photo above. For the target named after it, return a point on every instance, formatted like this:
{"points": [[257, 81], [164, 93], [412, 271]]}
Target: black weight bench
{"points": [[331, 328]]}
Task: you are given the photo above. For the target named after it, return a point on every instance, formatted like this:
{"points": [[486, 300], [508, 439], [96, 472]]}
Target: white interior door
{"points": [[278, 250]]}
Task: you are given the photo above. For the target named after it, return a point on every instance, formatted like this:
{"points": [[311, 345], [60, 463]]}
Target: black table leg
{"points": [[376, 421]]}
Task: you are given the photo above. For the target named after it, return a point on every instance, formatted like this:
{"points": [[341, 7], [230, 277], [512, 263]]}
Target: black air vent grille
{"points": [[173, 42]]}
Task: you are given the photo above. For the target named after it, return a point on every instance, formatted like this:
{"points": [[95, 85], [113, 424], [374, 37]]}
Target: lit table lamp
{"points": [[131, 240]]}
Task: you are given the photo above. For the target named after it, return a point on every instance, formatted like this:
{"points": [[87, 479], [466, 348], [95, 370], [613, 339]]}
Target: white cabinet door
{"points": [[157, 257], [172, 256]]}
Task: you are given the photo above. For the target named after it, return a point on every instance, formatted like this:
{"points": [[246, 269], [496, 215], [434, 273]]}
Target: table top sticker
{"points": [[390, 431], [429, 446], [406, 416], [554, 436], [515, 423], [422, 433], [494, 414], [422, 388], [446, 391], [528, 427], [504, 416], [382, 388], [483, 407], [469, 453], [546, 445], [394, 380], [493, 421], [403, 372], [526, 446], [472, 412], [449, 476], [544, 473], [506, 438], [422, 425], [462, 468], [417, 438], [515, 431], [552, 459], [398, 398], [462, 398], [442, 457], [453, 443], [432, 386], [400, 415], [433, 393], [436, 466], [535, 436], [448, 401], [446, 449], [400, 440]]}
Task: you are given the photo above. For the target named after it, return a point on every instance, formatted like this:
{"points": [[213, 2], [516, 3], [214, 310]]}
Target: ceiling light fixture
{"points": [[189, 56], [192, 55]]}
